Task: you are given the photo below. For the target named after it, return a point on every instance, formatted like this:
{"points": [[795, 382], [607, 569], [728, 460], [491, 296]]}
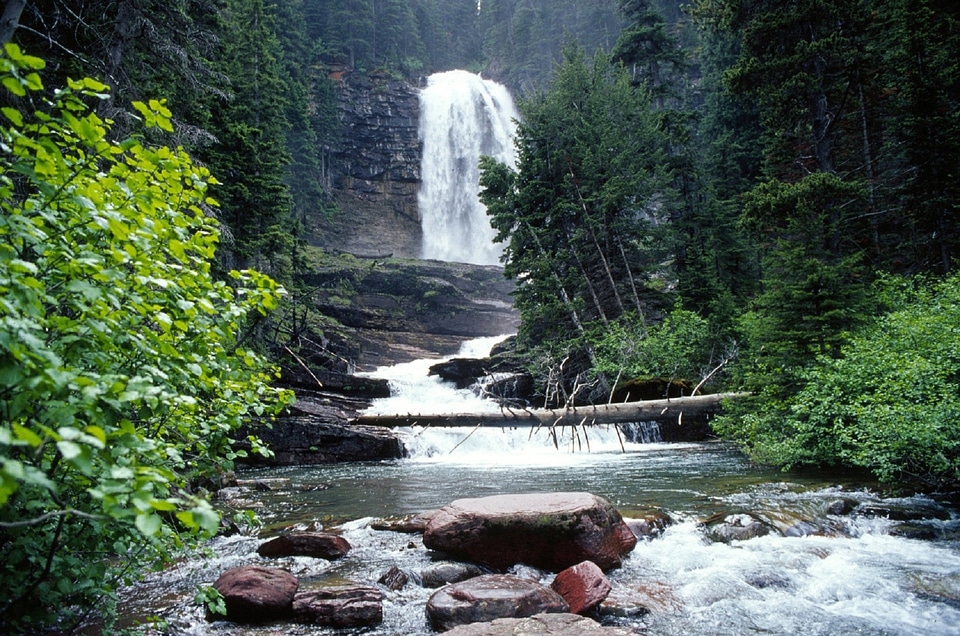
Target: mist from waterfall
{"points": [[462, 117]]}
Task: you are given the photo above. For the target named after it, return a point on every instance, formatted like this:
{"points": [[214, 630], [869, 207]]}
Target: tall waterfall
{"points": [[462, 117]]}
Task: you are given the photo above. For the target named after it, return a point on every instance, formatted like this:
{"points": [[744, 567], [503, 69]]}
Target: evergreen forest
{"points": [[740, 195]]}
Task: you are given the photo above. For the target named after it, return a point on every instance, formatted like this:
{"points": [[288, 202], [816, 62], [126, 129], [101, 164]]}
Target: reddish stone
{"points": [[340, 606], [254, 594], [582, 586], [551, 531], [485, 598], [321, 545]]}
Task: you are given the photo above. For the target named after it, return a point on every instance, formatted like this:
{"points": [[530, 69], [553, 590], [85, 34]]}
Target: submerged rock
{"points": [[439, 574], [650, 524], [488, 597], [255, 594], [552, 531], [409, 524], [394, 579], [341, 606], [582, 586], [736, 527], [321, 545], [540, 625]]}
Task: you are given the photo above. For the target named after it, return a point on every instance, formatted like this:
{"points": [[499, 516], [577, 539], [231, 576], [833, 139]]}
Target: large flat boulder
{"points": [[551, 531], [488, 597], [540, 625]]}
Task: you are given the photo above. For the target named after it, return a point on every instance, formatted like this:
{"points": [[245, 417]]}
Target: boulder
{"points": [[339, 606], [551, 531], [321, 545], [394, 579], [488, 597], [540, 625], [439, 574], [582, 586], [255, 594], [463, 372]]}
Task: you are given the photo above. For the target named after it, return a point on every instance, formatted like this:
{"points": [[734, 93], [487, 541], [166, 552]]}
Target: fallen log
{"points": [[672, 410]]}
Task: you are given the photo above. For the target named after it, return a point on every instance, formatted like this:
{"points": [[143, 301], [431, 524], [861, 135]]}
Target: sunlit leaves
{"points": [[119, 380]]}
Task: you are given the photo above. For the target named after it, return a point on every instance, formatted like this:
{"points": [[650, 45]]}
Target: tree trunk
{"points": [[10, 19], [669, 410]]}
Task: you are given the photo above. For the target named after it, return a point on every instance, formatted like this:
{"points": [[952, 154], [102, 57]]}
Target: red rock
{"points": [[254, 594], [339, 606], [321, 545], [550, 531], [485, 598], [582, 586]]}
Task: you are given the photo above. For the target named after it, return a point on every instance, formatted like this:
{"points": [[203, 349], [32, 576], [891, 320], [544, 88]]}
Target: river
{"points": [[855, 571]]}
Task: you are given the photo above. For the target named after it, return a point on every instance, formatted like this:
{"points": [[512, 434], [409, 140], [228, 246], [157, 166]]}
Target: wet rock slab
{"points": [[540, 625], [488, 597], [552, 531]]}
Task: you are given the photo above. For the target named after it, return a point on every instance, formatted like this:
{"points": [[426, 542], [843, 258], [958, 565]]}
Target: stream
{"points": [[859, 567]]}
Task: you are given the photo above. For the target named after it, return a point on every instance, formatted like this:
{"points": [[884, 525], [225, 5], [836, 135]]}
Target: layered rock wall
{"points": [[375, 169]]}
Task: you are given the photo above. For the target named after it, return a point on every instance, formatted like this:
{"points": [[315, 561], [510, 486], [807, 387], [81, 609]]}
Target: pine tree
{"points": [[250, 156]]}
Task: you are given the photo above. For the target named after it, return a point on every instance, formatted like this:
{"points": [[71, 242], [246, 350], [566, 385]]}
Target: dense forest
{"points": [[759, 196]]}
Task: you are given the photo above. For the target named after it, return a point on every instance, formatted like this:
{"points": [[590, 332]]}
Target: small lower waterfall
{"points": [[414, 391], [462, 117]]}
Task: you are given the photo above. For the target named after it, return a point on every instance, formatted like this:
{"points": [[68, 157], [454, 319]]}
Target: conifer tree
{"points": [[250, 155]]}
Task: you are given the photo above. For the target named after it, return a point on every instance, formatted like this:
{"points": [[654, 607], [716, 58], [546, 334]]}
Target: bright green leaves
{"points": [[120, 382], [155, 114]]}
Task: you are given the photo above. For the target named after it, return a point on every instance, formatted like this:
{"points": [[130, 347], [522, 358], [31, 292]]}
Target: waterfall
{"points": [[414, 391], [462, 117]]}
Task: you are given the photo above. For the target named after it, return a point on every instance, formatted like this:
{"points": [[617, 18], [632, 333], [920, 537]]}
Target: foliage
{"points": [[580, 217], [674, 348], [121, 374], [888, 403]]}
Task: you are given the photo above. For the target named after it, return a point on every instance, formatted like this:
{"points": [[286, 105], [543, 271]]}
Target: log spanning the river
{"points": [[672, 410]]}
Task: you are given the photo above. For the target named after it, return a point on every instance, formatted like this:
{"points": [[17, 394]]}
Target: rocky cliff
{"points": [[395, 310], [375, 168]]}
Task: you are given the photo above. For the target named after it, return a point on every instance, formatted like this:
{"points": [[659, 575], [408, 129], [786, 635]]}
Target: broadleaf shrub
{"points": [[121, 376]]}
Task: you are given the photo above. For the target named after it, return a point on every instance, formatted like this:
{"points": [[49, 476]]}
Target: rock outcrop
{"points": [[488, 597], [255, 594], [551, 531], [374, 169], [395, 310], [310, 439]]}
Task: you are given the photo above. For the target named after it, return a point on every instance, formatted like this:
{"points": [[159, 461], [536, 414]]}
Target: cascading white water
{"points": [[414, 392], [462, 117]]}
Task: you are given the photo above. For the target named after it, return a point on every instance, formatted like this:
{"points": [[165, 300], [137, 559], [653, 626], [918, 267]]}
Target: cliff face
{"points": [[396, 310], [375, 169]]}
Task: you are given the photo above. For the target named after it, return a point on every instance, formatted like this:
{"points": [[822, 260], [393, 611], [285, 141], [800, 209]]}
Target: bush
{"points": [[889, 403], [120, 371]]}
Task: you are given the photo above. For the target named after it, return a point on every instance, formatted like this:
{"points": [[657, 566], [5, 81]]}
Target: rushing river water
{"points": [[859, 572]]}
